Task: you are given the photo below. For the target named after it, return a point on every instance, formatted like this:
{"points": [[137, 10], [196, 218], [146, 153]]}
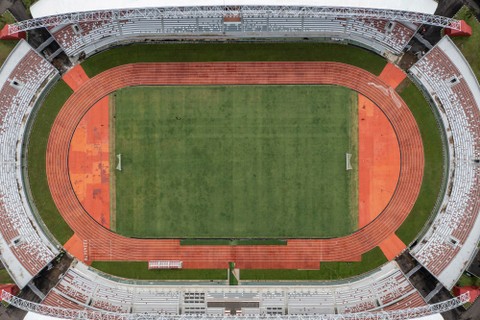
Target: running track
{"points": [[102, 244]]}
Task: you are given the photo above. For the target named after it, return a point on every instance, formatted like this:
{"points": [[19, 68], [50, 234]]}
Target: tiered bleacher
{"points": [[382, 289], [90, 37], [25, 250], [393, 35], [444, 250], [450, 242], [85, 288]]}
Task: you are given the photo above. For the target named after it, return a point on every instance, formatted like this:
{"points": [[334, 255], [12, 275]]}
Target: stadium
{"points": [[236, 159]]}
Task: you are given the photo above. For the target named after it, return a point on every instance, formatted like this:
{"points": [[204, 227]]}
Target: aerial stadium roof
{"points": [[437, 316], [37, 316], [45, 8]]}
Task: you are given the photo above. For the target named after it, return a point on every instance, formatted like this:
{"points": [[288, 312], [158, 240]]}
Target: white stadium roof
{"points": [[437, 316], [45, 8], [36, 316]]}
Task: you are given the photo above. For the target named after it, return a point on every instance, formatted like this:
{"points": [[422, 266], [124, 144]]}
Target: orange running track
{"points": [[378, 161], [393, 245], [88, 162], [75, 77], [392, 75], [74, 246], [102, 244]]}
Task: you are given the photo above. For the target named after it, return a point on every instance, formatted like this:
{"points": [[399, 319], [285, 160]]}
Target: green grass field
{"points": [[236, 161], [5, 277], [139, 270], [6, 46], [469, 45], [328, 271], [433, 170], [468, 280], [37, 149]]}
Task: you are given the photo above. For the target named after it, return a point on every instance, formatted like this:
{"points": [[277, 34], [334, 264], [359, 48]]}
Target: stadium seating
{"points": [[451, 240], [393, 35], [25, 250], [85, 289], [94, 36], [82, 287], [444, 249]]}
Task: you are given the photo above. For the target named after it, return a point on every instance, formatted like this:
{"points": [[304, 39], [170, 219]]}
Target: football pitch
{"points": [[235, 161]]}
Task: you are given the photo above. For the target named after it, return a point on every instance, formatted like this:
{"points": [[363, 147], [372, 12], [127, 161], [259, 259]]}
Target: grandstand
{"points": [[95, 27], [25, 250], [86, 38], [452, 239], [445, 249], [386, 289]]}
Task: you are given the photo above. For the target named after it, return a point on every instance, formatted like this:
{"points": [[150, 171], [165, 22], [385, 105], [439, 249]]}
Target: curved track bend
{"points": [[103, 244]]}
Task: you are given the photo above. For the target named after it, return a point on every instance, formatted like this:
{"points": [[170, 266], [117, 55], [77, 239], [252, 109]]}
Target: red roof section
{"points": [[474, 292], [10, 288], [14, 36], [465, 30]]}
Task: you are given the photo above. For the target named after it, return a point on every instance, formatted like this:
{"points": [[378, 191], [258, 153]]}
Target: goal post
{"points": [[348, 157], [119, 165]]}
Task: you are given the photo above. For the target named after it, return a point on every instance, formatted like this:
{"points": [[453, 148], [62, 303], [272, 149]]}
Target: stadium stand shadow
{"points": [[48, 278]]}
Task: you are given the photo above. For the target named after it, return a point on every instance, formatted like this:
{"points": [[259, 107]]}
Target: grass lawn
{"points": [[469, 45], [327, 271], [467, 280], [188, 52], [37, 149], [5, 277], [6, 46], [139, 271], [236, 161], [232, 280], [433, 171]]}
